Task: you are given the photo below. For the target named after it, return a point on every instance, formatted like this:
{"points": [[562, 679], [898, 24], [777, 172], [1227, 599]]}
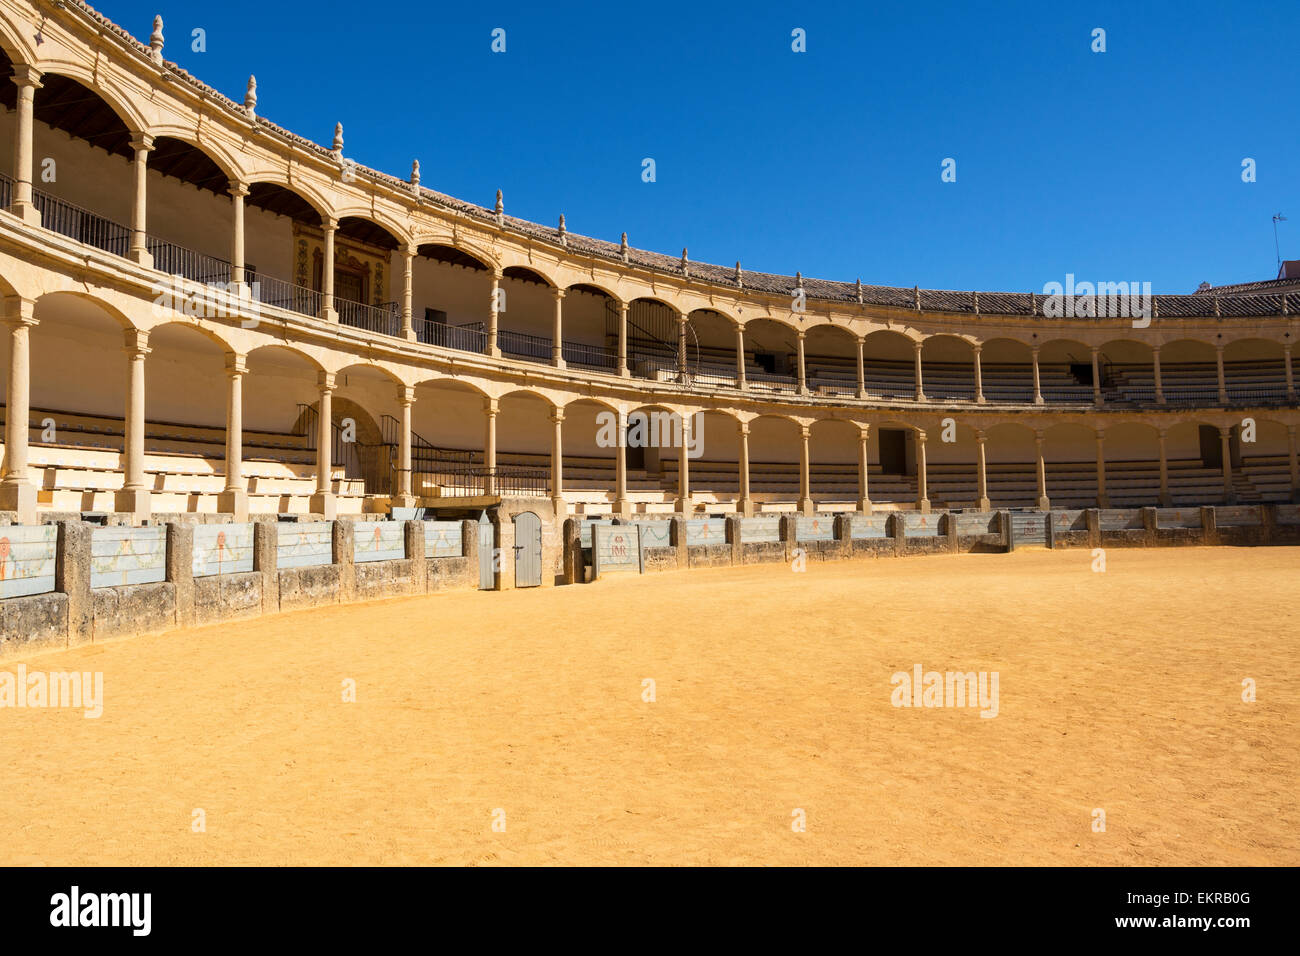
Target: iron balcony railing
{"points": [[285, 295], [380, 319], [6, 191], [177, 260], [596, 357], [80, 224], [466, 338], [525, 346], [456, 478]]}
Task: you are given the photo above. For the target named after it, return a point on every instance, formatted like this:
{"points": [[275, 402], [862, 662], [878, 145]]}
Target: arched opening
{"points": [[715, 474], [451, 294], [590, 460], [774, 448], [1069, 453], [281, 396], [189, 212], [833, 464], [363, 271], [714, 336], [526, 324], [889, 365], [1007, 369], [951, 457], [1011, 453], [591, 318], [366, 420], [653, 341], [831, 360], [1194, 452], [78, 397], [1265, 463], [948, 369], [525, 434], [1065, 372], [448, 439], [1254, 372], [1189, 373], [892, 464], [772, 347], [282, 235], [1127, 371], [1132, 464]]}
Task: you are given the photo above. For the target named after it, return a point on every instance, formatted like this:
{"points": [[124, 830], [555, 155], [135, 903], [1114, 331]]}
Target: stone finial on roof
{"points": [[500, 210], [622, 247], [740, 276], [685, 262], [564, 233], [1203, 287], [250, 96], [916, 296], [338, 138], [858, 284], [415, 175], [798, 280], [156, 40]]}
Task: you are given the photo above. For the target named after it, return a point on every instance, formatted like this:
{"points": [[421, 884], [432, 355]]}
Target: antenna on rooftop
{"points": [[1276, 219]]}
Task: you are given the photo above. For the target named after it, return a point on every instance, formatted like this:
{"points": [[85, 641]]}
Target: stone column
{"points": [[323, 502], [981, 474], [979, 375], [1155, 367], [920, 385], [621, 505], [1096, 377], [1038, 390], [864, 492], [801, 370], [238, 192], [683, 504], [494, 315], [1164, 471], [922, 496], [1223, 385], [405, 497], [805, 469], [740, 356], [1044, 503], [1290, 375], [557, 464], [1294, 462], [1103, 500], [862, 368], [134, 497], [141, 145], [490, 410], [17, 493], [233, 499], [328, 312], [28, 81], [408, 298], [745, 503], [622, 340], [557, 343], [1225, 439]]}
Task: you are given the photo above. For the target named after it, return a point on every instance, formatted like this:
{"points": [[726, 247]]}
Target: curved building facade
{"points": [[207, 314]]}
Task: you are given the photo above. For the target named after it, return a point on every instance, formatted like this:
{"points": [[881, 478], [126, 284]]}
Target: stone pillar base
{"points": [[979, 399], [806, 507], [324, 503], [25, 211], [561, 508], [494, 352], [142, 256], [920, 397], [865, 506], [745, 507], [409, 335], [1044, 504], [19, 496], [330, 315], [133, 501], [405, 501], [684, 506], [234, 502], [558, 362], [1103, 501], [984, 505], [1038, 399], [923, 506]]}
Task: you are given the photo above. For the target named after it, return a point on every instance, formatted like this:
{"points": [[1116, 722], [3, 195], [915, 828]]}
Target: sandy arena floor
{"points": [[1119, 691]]}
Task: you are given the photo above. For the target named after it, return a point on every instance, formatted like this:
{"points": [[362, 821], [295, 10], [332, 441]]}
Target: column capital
{"points": [[558, 292], [801, 333], [329, 224], [742, 428], [490, 407], [26, 77], [1290, 430], [325, 381], [141, 142], [981, 436], [917, 345], [557, 416], [1155, 349], [236, 364], [1038, 437], [1225, 431], [864, 431], [1162, 432], [920, 436], [497, 274], [805, 431], [18, 311], [406, 395], [1095, 349], [137, 343], [977, 347], [238, 188], [410, 250]]}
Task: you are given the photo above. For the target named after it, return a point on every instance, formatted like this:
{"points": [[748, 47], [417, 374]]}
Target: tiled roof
{"points": [[1236, 300]]}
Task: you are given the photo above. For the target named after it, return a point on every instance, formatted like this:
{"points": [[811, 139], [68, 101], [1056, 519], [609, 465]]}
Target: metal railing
{"points": [[382, 320], [80, 224], [466, 338], [455, 478], [6, 191], [285, 295], [521, 345], [177, 260]]}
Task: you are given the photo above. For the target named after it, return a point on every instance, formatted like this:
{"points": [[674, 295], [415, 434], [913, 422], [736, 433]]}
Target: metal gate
{"points": [[486, 554], [528, 550]]}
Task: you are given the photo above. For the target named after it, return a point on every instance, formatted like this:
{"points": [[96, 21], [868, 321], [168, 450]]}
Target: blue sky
{"points": [[1123, 165]]}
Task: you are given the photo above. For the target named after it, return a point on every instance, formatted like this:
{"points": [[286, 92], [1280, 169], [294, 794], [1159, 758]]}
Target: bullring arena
{"points": [[292, 425]]}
